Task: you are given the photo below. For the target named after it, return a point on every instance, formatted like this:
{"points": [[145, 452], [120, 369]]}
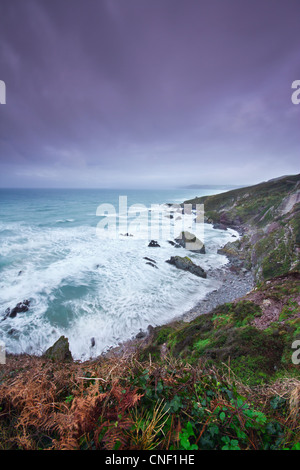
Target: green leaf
{"points": [[189, 429], [213, 430], [260, 417]]}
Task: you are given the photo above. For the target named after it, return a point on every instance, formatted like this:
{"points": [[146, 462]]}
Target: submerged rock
{"points": [[149, 259], [12, 331], [59, 351], [152, 264], [190, 242], [186, 264]]}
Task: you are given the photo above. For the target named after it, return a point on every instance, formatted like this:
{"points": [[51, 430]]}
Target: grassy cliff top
{"points": [[268, 217], [251, 204]]}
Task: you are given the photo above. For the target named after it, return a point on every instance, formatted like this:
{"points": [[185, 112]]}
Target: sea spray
{"points": [[84, 287]]}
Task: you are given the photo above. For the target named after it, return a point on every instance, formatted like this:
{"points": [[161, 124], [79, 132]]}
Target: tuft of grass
{"points": [[147, 426]]}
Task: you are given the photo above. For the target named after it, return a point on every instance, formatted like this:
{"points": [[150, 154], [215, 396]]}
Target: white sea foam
{"points": [[85, 287]]}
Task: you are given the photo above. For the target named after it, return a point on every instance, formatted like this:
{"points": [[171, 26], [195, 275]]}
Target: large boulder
{"points": [[59, 351], [190, 242], [186, 264]]}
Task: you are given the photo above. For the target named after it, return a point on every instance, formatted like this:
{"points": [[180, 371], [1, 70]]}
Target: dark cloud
{"points": [[148, 92]]}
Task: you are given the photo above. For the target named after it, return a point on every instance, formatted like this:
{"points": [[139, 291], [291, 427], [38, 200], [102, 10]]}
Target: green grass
{"points": [[228, 334]]}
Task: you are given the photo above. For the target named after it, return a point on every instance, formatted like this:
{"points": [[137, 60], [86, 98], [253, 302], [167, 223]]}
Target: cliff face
{"points": [[268, 217]]}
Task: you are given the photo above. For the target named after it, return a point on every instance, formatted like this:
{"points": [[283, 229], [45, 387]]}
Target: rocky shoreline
{"points": [[232, 286], [267, 218], [234, 282]]}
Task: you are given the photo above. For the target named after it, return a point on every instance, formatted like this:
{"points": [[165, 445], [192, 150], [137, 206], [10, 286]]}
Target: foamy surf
{"points": [[84, 287]]}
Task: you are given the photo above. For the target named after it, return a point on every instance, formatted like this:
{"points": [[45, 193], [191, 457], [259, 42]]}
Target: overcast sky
{"points": [[148, 93]]}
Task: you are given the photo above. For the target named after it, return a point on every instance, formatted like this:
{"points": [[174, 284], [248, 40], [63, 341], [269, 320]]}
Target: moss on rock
{"points": [[59, 351]]}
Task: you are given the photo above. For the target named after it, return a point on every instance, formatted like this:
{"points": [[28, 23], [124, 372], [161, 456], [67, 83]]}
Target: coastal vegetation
{"points": [[268, 217], [227, 380]]}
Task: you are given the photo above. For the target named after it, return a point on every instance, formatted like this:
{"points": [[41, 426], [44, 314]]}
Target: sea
{"points": [[81, 257]]}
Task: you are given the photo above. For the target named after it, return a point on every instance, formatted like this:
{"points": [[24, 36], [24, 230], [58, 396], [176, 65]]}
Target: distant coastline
{"points": [[224, 187]]}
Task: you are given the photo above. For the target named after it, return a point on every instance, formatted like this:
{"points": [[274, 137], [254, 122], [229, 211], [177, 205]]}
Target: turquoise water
{"points": [[84, 285]]}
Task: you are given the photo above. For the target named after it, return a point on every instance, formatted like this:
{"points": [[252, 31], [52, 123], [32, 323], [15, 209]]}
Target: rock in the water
{"points": [[190, 242], [141, 335], [186, 264], [152, 264], [59, 351], [174, 244], [6, 314], [19, 308], [93, 342], [153, 243], [12, 331], [149, 259], [220, 226], [150, 330]]}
